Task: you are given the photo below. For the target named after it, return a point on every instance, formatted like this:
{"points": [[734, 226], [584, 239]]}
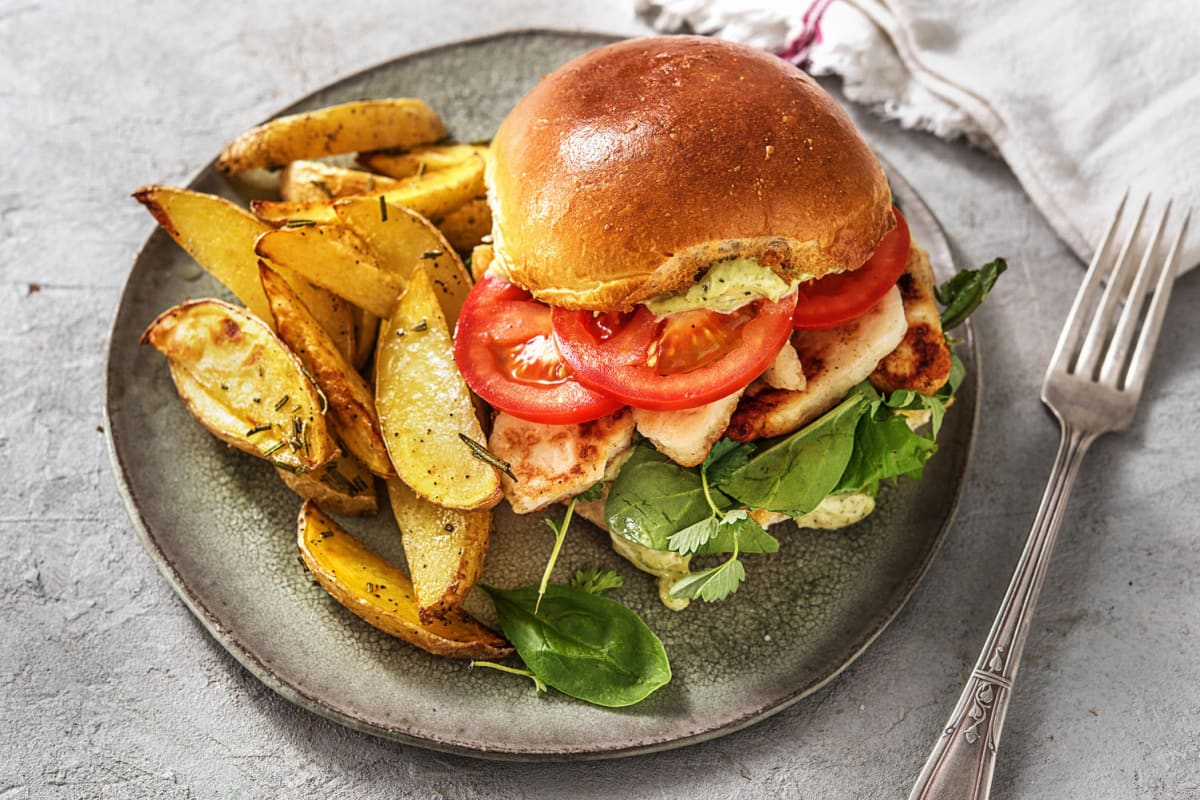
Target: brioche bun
{"points": [[630, 170]]}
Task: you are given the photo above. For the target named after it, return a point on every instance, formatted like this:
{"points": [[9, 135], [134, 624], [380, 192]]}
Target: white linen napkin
{"points": [[1082, 98]]}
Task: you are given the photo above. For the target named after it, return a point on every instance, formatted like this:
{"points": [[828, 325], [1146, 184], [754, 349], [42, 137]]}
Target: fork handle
{"points": [[964, 757]]}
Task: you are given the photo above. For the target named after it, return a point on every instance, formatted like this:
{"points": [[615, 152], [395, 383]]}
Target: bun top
{"points": [[628, 171]]}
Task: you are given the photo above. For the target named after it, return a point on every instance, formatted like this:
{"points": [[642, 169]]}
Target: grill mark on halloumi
{"points": [[922, 361], [556, 462]]}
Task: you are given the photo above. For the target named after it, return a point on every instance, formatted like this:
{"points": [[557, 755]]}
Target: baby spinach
{"points": [[583, 644], [792, 475], [653, 497], [963, 293]]}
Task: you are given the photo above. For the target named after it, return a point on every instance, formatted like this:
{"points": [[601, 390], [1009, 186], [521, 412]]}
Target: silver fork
{"points": [[1092, 386]]}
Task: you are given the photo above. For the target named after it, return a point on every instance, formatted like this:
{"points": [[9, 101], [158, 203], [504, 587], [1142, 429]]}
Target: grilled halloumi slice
{"points": [[834, 360], [556, 462], [922, 361], [686, 436]]}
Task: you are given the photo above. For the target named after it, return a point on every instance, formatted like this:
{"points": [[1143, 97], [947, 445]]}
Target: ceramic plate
{"points": [[221, 527]]}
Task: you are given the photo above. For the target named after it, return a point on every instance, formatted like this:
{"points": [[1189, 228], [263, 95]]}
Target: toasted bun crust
{"points": [[628, 171]]}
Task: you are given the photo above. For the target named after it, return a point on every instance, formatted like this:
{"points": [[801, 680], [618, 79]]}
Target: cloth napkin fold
{"points": [[1082, 98]]}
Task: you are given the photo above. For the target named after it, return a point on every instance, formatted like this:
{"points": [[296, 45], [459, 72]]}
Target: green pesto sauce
{"points": [[726, 287]]}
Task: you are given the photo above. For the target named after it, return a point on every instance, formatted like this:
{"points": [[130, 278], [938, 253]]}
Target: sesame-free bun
{"points": [[630, 170]]}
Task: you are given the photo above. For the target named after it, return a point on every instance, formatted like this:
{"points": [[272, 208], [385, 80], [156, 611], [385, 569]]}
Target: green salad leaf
{"points": [[794, 473], [595, 580], [583, 644], [963, 293], [653, 498]]}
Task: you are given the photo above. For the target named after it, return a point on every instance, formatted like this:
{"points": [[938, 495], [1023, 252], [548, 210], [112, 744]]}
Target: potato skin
{"points": [[444, 548], [344, 128], [425, 407], [432, 195], [343, 486], [242, 383], [382, 595], [351, 402]]}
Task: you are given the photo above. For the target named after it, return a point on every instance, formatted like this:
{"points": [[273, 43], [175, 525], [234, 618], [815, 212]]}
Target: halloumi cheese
{"points": [[553, 463], [921, 362], [835, 360], [685, 436]]}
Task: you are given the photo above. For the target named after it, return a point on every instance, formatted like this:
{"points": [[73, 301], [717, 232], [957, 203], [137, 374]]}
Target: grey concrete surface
{"points": [[108, 687]]}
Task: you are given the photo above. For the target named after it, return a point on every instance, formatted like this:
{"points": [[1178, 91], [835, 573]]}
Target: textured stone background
{"points": [[108, 687]]}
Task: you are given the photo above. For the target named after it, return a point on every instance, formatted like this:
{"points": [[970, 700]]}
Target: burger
{"points": [[700, 298]]}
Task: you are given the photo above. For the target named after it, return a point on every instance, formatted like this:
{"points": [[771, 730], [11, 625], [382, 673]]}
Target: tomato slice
{"points": [[504, 348], [681, 361], [836, 299]]}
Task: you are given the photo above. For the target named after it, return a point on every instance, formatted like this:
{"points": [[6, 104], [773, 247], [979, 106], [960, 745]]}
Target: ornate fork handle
{"points": [[961, 764]]}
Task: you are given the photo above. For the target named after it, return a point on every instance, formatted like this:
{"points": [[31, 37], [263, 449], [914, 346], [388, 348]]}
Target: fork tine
{"points": [[1068, 340], [1118, 350], [1139, 365], [1097, 332]]}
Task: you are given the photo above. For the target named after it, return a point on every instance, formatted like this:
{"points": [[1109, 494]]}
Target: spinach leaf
{"points": [[963, 293], [583, 644], [653, 497], [793, 475], [884, 447], [725, 457]]}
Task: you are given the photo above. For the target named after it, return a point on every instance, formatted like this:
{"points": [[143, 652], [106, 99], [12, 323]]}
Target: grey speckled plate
{"points": [[221, 527]]}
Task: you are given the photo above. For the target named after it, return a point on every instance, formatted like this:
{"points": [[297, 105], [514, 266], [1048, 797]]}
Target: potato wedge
{"points": [[242, 383], [481, 260], [465, 227], [366, 328], [432, 195], [382, 595], [418, 160], [221, 237], [362, 125], [425, 407], [351, 402], [335, 258], [405, 239], [444, 549], [343, 486], [315, 181]]}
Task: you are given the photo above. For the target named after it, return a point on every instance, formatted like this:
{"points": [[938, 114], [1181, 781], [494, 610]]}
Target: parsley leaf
{"points": [[712, 584], [593, 492], [693, 537], [595, 580]]}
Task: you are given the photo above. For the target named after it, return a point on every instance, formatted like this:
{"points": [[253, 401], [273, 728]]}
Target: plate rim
{"points": [[228, 637]]}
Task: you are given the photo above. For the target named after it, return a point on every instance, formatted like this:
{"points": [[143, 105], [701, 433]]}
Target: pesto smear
{"points": [[726, 287]]}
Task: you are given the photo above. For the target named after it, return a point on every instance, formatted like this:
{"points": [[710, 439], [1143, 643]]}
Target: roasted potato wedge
{"points": [[343, 486], [242, 383], [466, 226], [351, 402], [444, 549], [335, 258], [481, 259], [402, 239], [418, 160], [366, 328], [345, 128], [425, 407], [432, 195], [315, 181], [382, 595], [221, 237]]}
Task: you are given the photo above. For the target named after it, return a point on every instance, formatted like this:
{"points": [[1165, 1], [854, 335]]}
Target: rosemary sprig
{"points": [[485, 455]]}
